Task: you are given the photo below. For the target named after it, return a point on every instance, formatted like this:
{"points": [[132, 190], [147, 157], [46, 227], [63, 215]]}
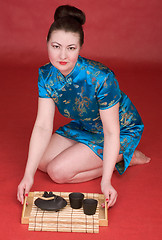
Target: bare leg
{"points": [[86, 176], [68, 161], [57, 145], [65, 163], [77, 163], [139, 158]]}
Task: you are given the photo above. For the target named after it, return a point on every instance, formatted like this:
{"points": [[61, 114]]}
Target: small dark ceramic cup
{"points": [[89, 206], [76, 200]]}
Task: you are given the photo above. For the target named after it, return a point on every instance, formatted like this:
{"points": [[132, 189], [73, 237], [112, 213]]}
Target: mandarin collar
{"points": [[73, 73]]}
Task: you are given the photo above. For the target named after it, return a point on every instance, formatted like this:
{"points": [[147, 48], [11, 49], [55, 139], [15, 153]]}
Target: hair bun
{"points": [[70, 11]]}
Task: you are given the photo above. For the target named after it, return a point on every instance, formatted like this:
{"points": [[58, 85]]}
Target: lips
{"points": [[63, 63]]}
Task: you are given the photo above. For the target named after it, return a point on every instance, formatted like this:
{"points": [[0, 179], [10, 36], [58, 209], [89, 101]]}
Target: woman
{"points": [[107, 127]]}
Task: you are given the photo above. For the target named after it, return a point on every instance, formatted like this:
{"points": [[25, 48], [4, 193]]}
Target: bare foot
{"points": [[139, 158]]}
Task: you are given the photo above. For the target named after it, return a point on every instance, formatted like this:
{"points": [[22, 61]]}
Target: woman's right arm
{"points": [[39, 141]]}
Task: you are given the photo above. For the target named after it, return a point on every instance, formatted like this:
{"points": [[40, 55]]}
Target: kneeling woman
{"points": [[106, 128]]}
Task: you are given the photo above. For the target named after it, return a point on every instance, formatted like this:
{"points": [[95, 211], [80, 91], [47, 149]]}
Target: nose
{"points": [[63, 54]]}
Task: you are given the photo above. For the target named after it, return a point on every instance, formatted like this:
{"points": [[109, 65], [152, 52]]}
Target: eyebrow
{"points": [[68, 45]]}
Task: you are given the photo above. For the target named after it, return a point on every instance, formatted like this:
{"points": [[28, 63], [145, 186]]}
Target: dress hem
{"points": [[125, 162]]}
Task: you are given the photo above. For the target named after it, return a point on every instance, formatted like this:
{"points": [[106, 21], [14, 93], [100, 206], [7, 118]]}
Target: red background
{"points": [[115, 30], [126, 36]]}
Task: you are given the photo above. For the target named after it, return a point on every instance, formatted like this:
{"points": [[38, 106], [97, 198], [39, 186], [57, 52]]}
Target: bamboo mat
{"points": [[65, 220]]}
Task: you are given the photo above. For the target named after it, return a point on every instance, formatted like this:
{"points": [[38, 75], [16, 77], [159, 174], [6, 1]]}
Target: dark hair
{"points": [[69, 19]]}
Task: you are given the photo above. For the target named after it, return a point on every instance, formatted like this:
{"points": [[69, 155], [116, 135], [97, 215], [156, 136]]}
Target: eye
{"points": [[71, 48], [55, 46]]}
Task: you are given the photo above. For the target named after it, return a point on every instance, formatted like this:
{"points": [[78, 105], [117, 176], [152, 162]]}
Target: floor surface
{"points": [[137, 213], [126, 36]]}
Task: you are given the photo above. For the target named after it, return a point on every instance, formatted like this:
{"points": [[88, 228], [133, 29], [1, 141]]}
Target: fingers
{"points": [[109, 192], [20, 194], [27, 189], [24, 188], [111, 199]]}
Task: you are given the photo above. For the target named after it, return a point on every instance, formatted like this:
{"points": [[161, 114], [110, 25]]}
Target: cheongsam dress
{"points": [[79, 96]]}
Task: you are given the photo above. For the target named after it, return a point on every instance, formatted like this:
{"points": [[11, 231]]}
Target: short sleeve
{"points": [[41, 86], [108, 93]]}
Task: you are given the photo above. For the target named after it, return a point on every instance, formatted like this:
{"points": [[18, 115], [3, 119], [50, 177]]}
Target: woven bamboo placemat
{"points": [[65, 220]]}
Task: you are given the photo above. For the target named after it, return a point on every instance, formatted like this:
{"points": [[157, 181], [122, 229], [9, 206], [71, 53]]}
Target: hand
{"points": [[109, 192], [24, 188]]}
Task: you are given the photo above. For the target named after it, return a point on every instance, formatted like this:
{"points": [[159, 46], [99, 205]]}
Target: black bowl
{"points": [[76, 199], [89, 206], [50, 205]]}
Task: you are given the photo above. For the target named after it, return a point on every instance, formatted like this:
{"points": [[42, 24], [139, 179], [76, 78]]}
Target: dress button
{"points": [[69, 80]]}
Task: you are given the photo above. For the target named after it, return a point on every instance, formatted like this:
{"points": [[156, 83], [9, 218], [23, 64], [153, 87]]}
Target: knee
{"points": [[57, 173]]}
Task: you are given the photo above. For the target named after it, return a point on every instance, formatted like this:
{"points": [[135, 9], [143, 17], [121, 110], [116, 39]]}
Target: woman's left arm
{"points": [[111, 129]]}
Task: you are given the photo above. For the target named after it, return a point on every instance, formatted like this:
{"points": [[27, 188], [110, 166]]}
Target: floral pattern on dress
{"points": [[91, 86]]}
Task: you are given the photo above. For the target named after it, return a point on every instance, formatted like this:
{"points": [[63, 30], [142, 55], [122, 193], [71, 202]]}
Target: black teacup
{"points": [[76, 199], [89, 206]]}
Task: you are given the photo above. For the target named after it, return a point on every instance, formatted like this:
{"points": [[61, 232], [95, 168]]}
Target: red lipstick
{"points": [[63, 63]]}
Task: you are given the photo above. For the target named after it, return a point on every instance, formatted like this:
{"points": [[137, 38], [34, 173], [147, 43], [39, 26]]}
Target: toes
{"points": [[148, 159]]}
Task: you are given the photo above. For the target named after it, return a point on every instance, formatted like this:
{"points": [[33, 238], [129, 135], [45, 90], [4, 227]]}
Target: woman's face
{"points": [[63, 50]]}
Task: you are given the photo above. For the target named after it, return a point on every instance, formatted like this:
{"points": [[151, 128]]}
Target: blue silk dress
{"points": [[89, 87]]}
